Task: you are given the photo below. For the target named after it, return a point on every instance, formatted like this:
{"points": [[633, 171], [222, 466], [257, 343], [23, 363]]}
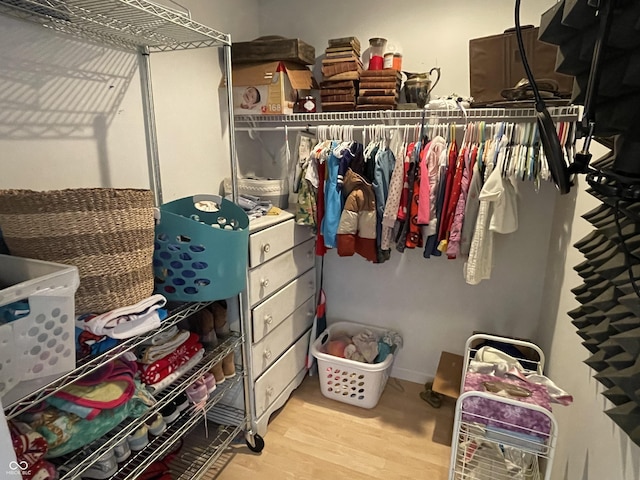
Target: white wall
{"points": [[590, 445], [72, 113], [428, 300], [432, 33]]}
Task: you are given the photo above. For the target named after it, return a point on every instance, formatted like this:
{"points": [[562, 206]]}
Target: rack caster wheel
{"points": [[257, 445]]}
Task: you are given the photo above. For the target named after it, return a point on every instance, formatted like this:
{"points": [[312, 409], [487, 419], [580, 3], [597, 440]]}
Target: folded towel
{"points": [[162, 337], [159, 369], [165, 382], [150, 354], [126, 322]]}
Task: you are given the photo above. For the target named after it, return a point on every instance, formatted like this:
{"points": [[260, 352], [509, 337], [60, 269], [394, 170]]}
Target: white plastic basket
{"points": [[41, 343], [348, 381]]}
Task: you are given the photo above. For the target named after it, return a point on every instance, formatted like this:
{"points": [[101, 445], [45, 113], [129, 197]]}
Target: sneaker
{"points": [[210, 382], [197, 392], [122, 451], [138, 439], [105, 467], [156, 425], [181, 401], [169, 412]]}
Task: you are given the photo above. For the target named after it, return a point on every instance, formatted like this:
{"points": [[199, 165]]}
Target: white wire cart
{"points": [[497, 437]]}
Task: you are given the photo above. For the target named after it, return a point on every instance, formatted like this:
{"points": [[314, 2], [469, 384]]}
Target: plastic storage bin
{"points": [[348, 381], [42, 342], [197, 259], [275, 191]]}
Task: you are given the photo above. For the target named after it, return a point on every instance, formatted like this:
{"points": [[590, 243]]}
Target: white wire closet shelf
{"points": [[568, 113], [128, 24]]}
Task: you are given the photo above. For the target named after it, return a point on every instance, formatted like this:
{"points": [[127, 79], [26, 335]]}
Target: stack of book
{"points": [[379, 90], [341, 70]]}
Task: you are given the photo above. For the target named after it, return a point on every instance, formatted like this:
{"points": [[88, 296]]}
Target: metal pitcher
{"points": [[418, 87]]}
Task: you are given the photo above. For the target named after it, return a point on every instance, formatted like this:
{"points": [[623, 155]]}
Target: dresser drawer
{"points": [[280, 374], [272, 275], [267, 350], [268, 315], [271, 242]]}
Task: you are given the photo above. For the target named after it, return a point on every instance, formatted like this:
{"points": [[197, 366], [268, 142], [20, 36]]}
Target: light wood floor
{"points": [[315, 438]]}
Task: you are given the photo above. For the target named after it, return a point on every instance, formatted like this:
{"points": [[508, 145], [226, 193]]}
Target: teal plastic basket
{"points": [[195, 258]]}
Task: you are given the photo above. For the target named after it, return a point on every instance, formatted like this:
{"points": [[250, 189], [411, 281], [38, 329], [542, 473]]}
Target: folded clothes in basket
{"points": [[491, 361], [126, 322], [365, 346], [14, 311], [509, 417]]}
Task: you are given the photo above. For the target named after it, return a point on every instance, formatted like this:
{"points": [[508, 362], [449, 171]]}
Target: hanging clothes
{"points": [[393, 199], [357, 229], [452, 201], [404, 210], [471, 210], [321, 153], [478, 266], [398, 148], [449, 180], [453, 247], [431, 244], [332, 196], [350, 157], [307, 189], [384, 166], [424, 192], [414, 232]]}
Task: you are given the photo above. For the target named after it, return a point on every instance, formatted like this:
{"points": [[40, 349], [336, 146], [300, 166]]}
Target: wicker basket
{"points": [[107, 233]]}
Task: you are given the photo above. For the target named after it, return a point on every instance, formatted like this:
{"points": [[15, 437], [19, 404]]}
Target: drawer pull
{"points": [[267, 354], [268, 319], [264, 282], [311, 284], [309, 254], [310, 314], [266, 247], [269, 391]]}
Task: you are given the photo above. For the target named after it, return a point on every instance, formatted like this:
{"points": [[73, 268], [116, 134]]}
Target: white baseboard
{"points": [[411, 375]]}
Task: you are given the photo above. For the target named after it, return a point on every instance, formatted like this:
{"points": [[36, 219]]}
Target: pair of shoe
{"points": [[220, 324], [172, 410], [155, 425], [199, 391], [224, 369], [105, 467], [202, 323]]}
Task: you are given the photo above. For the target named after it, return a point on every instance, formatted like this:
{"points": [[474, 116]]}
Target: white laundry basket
{"points": [[348, 381]]}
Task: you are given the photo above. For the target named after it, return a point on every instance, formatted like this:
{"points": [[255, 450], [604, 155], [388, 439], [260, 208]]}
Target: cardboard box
{"points": [[449, 375], [495, 64], [271, 87], [273, 48]]}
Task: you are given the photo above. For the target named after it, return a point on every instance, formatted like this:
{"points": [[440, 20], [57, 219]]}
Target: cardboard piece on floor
{"points": [[449, 375]]}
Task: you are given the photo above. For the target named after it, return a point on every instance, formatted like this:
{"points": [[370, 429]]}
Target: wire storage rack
{"points": [[489, 444], [72, 465], [391, 118], [143, 27]]}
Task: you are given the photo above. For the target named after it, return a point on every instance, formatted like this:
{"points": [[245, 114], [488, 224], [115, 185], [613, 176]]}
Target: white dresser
{"points": [[280, 305]]}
